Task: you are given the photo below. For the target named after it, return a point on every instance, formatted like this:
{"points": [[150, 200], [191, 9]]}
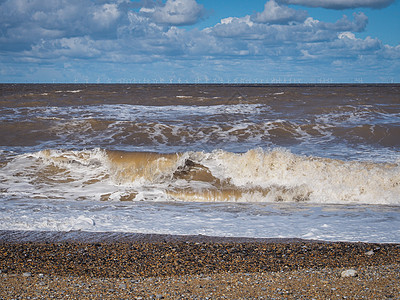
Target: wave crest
{"points": [[255, 176]]}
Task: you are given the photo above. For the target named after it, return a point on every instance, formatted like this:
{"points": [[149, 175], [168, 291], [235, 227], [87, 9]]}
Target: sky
{"points": [[200, 41]]}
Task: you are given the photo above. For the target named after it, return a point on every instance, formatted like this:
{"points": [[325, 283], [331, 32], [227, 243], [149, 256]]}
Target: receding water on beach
{"points": [[304, 161]]}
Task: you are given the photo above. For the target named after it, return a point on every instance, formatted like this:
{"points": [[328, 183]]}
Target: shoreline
{"points": [[78, 236], [139, 266], [26, 236]]}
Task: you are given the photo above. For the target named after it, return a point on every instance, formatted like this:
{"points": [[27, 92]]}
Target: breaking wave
{"points": [[255, 176]]}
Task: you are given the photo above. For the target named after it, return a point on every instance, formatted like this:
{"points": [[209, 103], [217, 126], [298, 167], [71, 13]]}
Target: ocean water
{"points": [[269, 161]]}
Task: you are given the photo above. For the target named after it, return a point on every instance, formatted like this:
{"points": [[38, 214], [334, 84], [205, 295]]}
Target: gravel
{"points": [[179, 269]]}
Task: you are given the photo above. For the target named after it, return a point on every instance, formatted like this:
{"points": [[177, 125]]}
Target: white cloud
{"points": [[138, 26], [310, 30], [176, 12], [276, 14], [307, 55], [112, 31], [348, 41], [340, 4], [347, 46], [391, 53], [84, 31], [236, 27], [106, 14], [344, 24], [76, 47], [25, 21], [347, 35]]}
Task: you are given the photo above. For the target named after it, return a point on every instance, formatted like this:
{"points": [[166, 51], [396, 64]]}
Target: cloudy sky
{"points": [[200, 41]]}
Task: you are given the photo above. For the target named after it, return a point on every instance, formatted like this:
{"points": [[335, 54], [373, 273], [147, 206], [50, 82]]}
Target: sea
{"points": [[308, 161]]}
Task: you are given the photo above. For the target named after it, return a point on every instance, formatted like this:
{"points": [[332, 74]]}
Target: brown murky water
{"points": [[307, 161], [170, 118]]}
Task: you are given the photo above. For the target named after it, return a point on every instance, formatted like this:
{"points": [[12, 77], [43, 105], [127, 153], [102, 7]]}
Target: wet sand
{"points": [[131, 266]]}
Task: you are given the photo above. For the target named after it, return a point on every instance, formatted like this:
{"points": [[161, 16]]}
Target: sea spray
{"points": [[254, 176]]}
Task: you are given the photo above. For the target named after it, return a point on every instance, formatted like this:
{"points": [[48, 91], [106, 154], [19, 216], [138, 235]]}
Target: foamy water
{"points": [[316, 162], [218, 176], [280, 220]]}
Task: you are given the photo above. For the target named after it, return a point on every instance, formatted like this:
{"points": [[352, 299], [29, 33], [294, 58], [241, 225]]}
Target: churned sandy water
{"points": [[267, 161]]}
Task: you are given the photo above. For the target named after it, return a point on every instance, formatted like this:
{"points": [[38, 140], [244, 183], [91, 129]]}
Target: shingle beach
{"points": [[195, 267]]}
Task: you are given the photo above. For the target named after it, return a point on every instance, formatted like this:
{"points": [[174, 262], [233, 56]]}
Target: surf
{"points": [[275, 175]]}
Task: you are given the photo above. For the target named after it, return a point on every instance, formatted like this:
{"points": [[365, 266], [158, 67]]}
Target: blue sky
{"points": [[235, 41]]}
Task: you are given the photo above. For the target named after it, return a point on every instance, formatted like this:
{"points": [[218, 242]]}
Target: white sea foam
{"points": [[332, 132], [126, 112], [323, 222], [254, 176], [312, 179], [69, 91]]}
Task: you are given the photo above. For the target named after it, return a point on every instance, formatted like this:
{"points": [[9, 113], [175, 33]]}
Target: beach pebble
{"points": [[370, 252], [27, 274], [122, 286], [348, 273]]}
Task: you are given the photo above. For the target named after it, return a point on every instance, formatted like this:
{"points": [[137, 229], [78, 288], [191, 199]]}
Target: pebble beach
{"points": [[194, 267]]}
